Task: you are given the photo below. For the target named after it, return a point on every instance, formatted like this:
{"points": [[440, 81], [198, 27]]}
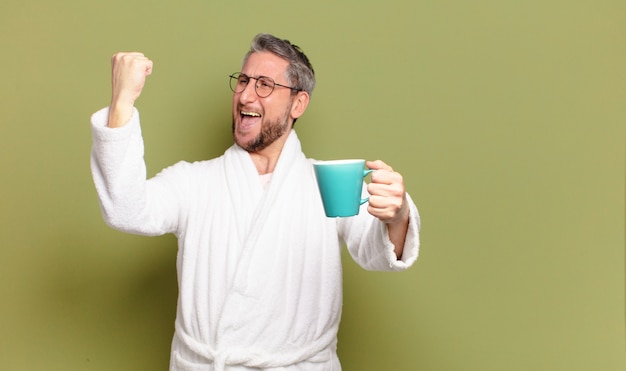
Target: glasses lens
{"points": [[264, 86], [238, 82]]}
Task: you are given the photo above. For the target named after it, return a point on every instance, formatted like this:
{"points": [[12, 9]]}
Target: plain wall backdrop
{"points": [[506, 118]]}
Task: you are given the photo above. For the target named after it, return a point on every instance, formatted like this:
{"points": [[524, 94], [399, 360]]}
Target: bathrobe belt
{"points": [[250, 358]]}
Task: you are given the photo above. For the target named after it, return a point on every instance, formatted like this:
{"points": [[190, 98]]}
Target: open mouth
{"points": [[249, 119], [250, 114]]}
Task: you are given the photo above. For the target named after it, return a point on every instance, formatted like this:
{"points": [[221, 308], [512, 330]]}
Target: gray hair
{"points": [[300, 73]]}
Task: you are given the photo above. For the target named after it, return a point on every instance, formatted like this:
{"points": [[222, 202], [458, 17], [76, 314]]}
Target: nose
{"points": [[248, 94]]}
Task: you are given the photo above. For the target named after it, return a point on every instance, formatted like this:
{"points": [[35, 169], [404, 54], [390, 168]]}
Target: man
{"points": [[259, 264]]}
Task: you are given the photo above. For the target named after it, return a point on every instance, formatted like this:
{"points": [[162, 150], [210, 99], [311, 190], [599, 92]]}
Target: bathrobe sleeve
{"points": [[367, 240], [129, 202]]}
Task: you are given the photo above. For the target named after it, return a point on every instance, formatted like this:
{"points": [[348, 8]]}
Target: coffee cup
{"points": [[340, 183]]}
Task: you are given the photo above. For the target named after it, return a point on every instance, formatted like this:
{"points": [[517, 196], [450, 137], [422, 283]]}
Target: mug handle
{"points": [[365, 173]]}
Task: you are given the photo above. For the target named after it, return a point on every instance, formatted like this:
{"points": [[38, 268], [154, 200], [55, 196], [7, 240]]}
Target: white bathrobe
{"points": [[259, 268]]}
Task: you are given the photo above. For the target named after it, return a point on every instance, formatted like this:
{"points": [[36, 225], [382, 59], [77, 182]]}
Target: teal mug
{"points": [[340, 183]]}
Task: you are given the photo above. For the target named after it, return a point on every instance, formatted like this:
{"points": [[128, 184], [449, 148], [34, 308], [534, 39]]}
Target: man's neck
{"points": [[266, 159]]}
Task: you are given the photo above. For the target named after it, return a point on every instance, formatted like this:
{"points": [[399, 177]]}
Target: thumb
{"points": [[149, 67]]}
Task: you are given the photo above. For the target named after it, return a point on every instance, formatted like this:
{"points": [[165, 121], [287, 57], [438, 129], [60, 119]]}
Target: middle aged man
{"points": [[259, 264]]}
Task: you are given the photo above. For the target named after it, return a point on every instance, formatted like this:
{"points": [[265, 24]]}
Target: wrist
{"points": [[119, 114]]}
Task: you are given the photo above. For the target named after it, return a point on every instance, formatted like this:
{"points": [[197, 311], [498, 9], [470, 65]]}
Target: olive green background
{"points": [[506, 118]]}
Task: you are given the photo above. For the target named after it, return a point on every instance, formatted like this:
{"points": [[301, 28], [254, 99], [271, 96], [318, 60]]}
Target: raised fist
{"points": [[128, 76]]}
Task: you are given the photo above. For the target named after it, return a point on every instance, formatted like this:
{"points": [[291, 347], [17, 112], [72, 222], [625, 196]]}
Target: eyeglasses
{"points": [[263, 87]]}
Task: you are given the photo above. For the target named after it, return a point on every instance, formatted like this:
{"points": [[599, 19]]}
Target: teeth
{"points": [[253, 114]]}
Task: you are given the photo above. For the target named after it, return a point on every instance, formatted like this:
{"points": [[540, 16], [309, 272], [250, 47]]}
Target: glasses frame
{"points": [[235, 76]]}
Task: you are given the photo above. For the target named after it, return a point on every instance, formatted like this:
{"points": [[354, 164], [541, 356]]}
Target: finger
{"points": [[385, 213], [386, 190], [120, 56], [385, 208], [130, 59], [378, 165], [386, 177]]}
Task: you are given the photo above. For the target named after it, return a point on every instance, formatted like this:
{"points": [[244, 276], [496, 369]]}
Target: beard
{"points": [[270, 131]]}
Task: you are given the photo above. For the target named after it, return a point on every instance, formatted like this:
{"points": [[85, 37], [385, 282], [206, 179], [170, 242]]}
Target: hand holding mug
{"points": [[387, 199]]}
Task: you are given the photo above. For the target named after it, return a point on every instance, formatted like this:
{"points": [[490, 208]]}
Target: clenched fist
{"points": [[128, 76]]}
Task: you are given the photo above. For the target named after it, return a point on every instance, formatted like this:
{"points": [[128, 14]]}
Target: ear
{"points": [[299, 104]]}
